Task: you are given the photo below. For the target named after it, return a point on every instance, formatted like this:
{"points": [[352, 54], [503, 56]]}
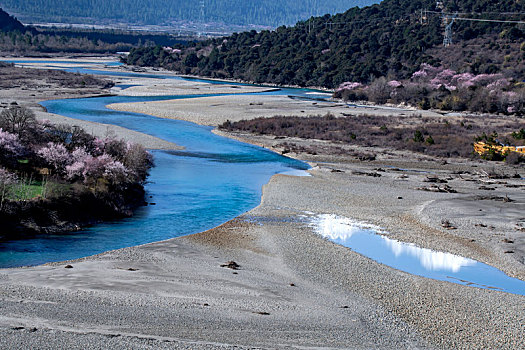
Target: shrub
{"points": [[514, 158], [10, 145], [379, 91], [492, 155], [519, 135], [418, 136]]}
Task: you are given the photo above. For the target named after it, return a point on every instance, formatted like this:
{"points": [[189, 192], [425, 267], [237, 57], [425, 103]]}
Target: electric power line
{"points": [[488, 20], [449, 18]]}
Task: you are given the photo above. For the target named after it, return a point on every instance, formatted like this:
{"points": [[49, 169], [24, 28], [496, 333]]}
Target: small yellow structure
{"points": [[482, 147]]}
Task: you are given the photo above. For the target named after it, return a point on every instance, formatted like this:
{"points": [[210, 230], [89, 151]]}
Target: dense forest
{"points": [[388, 39], [242, 12], [20, 39]]}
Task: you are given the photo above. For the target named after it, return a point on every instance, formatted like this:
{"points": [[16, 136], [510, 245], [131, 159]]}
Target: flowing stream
{"points": [[213, 180]]}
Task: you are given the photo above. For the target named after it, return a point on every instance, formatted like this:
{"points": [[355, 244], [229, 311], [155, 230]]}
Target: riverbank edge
{"points": [[41, 216], [462, 246], [68, 213], [389, 295]]}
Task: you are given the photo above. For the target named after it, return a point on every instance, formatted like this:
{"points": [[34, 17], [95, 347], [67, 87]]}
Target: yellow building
{"points": [[482, 147]]}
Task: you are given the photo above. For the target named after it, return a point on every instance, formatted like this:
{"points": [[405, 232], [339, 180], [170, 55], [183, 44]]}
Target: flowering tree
{"points": [[395, 84], [10, 145], [349, 85], [116, 173], [75, 170], [55, 155]]}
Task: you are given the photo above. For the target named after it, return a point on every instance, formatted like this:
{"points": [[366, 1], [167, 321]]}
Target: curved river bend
{"points": [[210, 182], [214, 180]]}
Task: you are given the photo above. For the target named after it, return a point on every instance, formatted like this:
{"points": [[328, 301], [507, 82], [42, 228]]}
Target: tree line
{"points": [[241, 12], [359, 45], [17, 38]]}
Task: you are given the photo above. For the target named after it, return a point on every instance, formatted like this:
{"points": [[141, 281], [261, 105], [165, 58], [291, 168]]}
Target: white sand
{"points": [[216, 110]]}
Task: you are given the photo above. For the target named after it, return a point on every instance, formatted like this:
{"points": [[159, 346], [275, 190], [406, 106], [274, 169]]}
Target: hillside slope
{"points": [[387, 39], [240, 12], [9, 23]]}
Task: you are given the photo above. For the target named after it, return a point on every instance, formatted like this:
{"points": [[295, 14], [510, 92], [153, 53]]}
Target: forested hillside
{"points": [[388, 39], [9, 23], [241, 12], [18, 39]]}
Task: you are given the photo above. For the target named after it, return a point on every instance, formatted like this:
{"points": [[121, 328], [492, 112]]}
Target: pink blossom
{"points": [[511, 109], [511, 95], [80, 155], [129, 145], [420, 74], [325, 51], [171, 50], [75, 170], [103, 166], [437, 83], [394, 84], [485, 79], [463, 80], [499, 84], [446, 74], [9, 143], [443, 78], [94, 167], [429, 69], [115, 172], [100, 143], [349, 86], [55, 155]]}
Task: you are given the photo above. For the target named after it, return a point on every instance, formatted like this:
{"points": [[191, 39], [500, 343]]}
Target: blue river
{"points": [[213, 180]]}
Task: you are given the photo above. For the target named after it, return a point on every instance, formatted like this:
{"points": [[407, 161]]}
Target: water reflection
{"points": [[364, 239]]}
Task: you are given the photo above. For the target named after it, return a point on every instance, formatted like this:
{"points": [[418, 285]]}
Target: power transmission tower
{"points": [[423, 20], [202, 6], [311, 25], [448, 20]]}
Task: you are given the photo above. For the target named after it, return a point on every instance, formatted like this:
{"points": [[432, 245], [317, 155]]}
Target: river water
{"points": [[213, 180]]}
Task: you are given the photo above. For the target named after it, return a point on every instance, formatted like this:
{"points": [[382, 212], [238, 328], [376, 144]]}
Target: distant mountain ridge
{"points": [[9, 23], [389, 39], [239, 12]]}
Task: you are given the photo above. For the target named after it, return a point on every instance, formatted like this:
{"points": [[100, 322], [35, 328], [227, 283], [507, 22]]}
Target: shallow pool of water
{"points": [[366, 240]]}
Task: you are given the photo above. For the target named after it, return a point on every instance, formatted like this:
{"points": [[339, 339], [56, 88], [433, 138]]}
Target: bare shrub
{"points": [[441, 138], [379, 91], [514, 158], [17, 120]]}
